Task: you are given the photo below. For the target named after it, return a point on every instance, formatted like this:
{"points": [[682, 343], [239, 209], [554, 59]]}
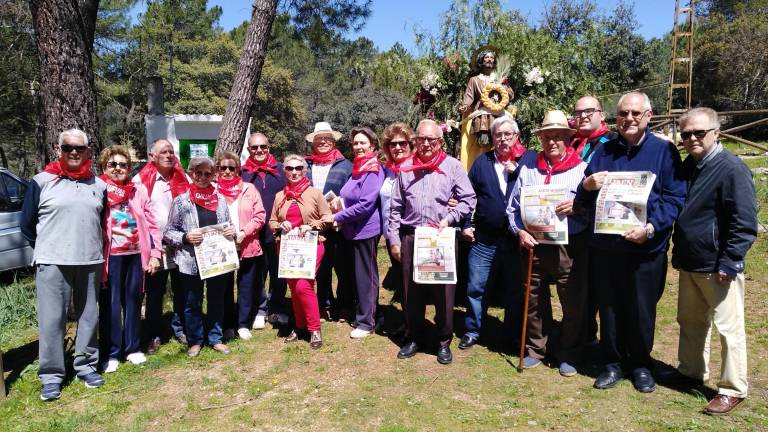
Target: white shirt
{"points": [[320, 175], [501, 174]]}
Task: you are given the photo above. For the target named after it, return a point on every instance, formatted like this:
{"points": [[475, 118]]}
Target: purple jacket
{"points": [[361, 217]]}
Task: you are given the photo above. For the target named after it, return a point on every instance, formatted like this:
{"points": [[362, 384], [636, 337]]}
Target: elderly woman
{"points": [[360, 221], [135, 247], [199, 207], [562, 265], [397, 146], [299, 206], [247, 214]]}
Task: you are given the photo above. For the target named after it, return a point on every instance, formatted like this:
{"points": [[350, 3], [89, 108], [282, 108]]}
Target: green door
{"points": [[189, 148]]}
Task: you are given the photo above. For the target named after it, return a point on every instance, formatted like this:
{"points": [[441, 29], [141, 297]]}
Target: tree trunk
{"points": [[64, 32], [235, 123]]}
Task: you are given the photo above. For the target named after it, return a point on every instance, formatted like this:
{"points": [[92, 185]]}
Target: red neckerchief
{"points": [[177, 182], [395, 166], [118, 193], [293, 192], [518, 149], [366, 163], [206, 197], [579, 142], [229, 188], [324, 159], [432, 165], [60, 168], [262, 168], [570, 160]]}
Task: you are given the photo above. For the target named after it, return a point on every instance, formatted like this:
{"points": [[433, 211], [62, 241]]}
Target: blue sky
{"points": [[394, 20]]}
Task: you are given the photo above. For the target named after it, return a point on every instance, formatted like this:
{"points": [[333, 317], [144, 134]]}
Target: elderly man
{"points": [[629, 270], [266, 173], [63, 219], [328, 171], [164, 179], [721, 201], [494, 246], [420, 198]]}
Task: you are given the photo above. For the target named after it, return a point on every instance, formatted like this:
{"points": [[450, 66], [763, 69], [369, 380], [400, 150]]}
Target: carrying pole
{"points": [[525, 308]]}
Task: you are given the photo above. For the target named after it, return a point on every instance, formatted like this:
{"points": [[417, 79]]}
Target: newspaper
{"points": [[216, 254], [298, 255], [537, 208], [434, 256], [622, 202]]}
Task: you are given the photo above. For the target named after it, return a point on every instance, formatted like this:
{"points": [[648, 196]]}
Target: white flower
{"points": [[429, 80], [433, 92], [534, 76]]}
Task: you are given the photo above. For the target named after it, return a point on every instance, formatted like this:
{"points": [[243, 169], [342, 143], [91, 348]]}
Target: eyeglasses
{"points": [[258, 147], [293, 168], [205, 174], [227, 168], [505, 135], [430, 140], [585, 112], [699, 134], [398, 144], [113, 165], [68, 148], [635, 114]]}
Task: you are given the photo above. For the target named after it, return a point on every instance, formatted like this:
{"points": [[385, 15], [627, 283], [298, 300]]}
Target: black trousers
{"points": [[415, 297], [628, 288], [336, 257]]}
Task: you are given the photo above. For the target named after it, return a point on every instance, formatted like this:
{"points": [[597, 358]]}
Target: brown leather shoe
{"points": [[220, 347], [194, 350], [153, 346], [722, 404], [315, 340], [292, 337]]}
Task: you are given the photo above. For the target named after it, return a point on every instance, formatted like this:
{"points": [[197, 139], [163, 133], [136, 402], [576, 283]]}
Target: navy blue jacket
{"points": [[268, 188], [719, 221], [490, 217], [340, 172], [666, 198]]}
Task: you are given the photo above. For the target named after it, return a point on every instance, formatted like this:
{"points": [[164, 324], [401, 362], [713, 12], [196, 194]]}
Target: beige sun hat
{"points": [[323, 128], [555, 119]]}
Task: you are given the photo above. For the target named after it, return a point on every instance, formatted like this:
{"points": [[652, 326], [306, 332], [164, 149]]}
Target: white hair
{"points": [[297, 157], [499, 121], [73, 133], [646, 100], [432, 123], [709, 113], [198, 161]]}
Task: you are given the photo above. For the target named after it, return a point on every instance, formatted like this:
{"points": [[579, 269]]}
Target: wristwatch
{"points": [[649, 231]]}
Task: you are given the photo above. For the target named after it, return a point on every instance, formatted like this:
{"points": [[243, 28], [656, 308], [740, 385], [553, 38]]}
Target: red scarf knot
{"points": [[324, 159], [118, 193], [177, 181], [579, 142], [206, 197], [570, 160], [230, 188], [395, 166], [262, 168], [61, 169], [365, 163], [293, 192], [432, 165]]}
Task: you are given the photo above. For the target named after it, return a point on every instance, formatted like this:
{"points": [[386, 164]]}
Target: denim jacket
{"points": [[181, 220]]}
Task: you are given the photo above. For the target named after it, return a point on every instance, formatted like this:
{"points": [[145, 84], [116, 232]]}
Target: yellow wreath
{"points": [[485, 97]]}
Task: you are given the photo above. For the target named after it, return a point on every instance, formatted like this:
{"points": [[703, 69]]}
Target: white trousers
{"points": [[703, 300]]}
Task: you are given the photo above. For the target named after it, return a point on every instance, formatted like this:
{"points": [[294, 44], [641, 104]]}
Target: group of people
{"points": [[130, 236]]}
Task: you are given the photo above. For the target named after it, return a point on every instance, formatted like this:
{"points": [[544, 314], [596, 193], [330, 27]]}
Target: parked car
{"points": [[14, 249]]}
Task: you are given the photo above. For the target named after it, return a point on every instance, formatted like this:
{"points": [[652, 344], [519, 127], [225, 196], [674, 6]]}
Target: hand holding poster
{"points": [[298, 255], [622, 202], [537, 208], [434, 256], [216, 254]]}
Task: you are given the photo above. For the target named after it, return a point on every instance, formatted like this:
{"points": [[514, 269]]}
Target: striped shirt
{"points": [[420, 198], [533, 177]]}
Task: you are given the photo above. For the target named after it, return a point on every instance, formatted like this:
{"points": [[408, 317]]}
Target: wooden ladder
{"points": [[681, 63]]}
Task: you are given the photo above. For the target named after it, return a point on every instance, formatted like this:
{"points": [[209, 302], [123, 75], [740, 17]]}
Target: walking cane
{"points": [[525, 308]]}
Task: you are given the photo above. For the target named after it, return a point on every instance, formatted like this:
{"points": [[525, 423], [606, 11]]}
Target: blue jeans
{"points": [[193, 310], [120, 307], [479, 261]]}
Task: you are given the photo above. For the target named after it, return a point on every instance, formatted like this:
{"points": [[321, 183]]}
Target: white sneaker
{"points": [[136, 358], [112, 365], [244, 333], [260, 322], [359, 333]]}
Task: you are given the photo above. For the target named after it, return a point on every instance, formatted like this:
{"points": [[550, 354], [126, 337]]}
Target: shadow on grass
{"points": [[16, 360]]}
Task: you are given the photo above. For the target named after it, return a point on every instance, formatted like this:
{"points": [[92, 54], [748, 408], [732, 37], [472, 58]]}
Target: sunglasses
{"points": [[398, 144], [206, 174], [293, 168], [699, 134], [68, 148], [634, 114], [227, 168], [113, 165], [259, 147]]}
